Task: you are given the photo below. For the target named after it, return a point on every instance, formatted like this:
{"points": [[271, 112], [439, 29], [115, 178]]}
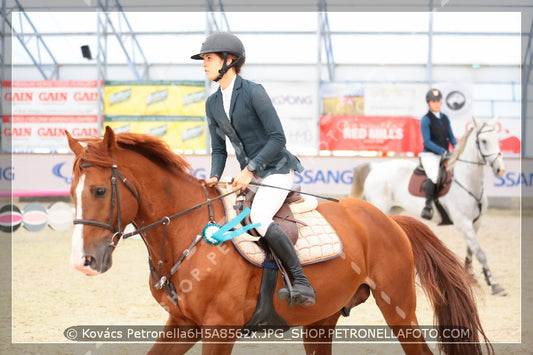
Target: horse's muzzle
{"points": [[95, 265]]}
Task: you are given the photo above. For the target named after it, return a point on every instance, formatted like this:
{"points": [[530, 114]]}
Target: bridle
{"points": [[483, 163], [115, 200], [163, 280], [484, 157]]}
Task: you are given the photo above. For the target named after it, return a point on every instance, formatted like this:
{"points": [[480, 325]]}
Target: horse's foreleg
{"points": [[217, 349], [321, 344], [171, 345]]}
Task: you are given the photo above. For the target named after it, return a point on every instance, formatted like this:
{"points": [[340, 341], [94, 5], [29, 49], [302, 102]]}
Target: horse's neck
{"points": [[469, 170], [175, 194]]}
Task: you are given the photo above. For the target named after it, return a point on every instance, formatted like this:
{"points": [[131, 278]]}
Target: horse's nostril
{"points": [[88, 260]]}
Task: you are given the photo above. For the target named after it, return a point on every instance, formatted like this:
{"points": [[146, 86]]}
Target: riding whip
{"points": [[303, 193]]}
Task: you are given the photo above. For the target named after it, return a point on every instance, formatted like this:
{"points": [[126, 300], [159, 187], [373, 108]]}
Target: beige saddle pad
{"points": [[317, 240]]}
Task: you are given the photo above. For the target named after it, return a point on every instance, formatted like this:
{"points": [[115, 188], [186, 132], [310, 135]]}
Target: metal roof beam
{"points": [[216, 17], [39, 51], [325, 35], [133, 53], [526, 83]]}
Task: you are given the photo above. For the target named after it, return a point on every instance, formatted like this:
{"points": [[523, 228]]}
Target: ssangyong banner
{"points": [[322, 175], [299, 100], [370, 133], [44, 134]]}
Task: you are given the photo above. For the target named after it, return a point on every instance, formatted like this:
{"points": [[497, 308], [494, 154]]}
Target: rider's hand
{"points": [[211, 181], [242, 179]]}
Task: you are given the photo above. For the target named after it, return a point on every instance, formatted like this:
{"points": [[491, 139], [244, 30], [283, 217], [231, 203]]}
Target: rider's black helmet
{"points": [[220, 42], [225, 43], [433, 94]]}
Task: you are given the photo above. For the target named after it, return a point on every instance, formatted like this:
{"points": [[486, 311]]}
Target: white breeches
{"points": [[431, 162], [267, 200]]}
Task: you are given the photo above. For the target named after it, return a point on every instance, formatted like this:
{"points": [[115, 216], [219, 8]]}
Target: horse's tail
{"points": [[449, 286], [360, 172]]}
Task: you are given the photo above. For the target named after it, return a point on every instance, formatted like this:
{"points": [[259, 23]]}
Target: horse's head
{"points": [[105, 202], [488, 145]]}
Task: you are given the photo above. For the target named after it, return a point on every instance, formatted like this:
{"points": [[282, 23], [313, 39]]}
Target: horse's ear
{"points": [[494, 120], [74, 145], [110, 140], [476, 123]]}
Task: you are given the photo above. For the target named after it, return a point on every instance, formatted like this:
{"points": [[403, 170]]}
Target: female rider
{"points": [[242, 111]]}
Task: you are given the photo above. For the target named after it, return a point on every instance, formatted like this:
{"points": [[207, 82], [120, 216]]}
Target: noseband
{"points": [[115, 200]]}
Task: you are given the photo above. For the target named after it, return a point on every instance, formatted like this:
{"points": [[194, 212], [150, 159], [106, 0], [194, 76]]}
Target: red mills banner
{"points": [[370, 133]]}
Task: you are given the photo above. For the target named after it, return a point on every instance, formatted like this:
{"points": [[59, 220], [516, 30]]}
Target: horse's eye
{"points": [[99, 191]]}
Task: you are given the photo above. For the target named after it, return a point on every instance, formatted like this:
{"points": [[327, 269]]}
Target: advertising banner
{"points": [[457, 100], [180, 98], [509, 133], [182, 134], [370, 133], [322, 175], [390, 99], [293, 99], [301, 134], [44, 134], [342, 99], [50, 97]]}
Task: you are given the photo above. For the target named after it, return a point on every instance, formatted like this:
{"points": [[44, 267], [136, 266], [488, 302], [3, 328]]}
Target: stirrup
{"points": [[427, 212], [298, 295]]}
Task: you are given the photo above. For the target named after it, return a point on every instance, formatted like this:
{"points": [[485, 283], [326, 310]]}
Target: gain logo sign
{"points": [[455, 100]]}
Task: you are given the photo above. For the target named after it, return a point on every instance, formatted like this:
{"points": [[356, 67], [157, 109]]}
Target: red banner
{"points": [[371, 133]]}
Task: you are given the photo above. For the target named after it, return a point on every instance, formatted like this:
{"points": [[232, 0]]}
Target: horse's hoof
{"points": [[498, 290]]}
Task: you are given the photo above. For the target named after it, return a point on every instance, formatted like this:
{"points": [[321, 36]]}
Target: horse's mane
{"points": [[153, 148], [459, 148]]}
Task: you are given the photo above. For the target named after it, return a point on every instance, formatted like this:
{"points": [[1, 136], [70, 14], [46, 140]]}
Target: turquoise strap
{"points": [[222, 234]]}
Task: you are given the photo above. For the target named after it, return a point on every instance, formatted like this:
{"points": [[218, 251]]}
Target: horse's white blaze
{"points": [[76, 256]]}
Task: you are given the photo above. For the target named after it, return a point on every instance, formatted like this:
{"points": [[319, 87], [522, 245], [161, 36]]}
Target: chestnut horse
{"points": [[127, 177]]}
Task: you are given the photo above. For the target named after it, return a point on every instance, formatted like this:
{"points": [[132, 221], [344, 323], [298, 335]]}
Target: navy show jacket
{"points": [[254, 129]]}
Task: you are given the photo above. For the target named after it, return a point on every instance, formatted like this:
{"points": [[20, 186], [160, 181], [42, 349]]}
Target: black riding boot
{"points": [[303, 293], [429, 189]]}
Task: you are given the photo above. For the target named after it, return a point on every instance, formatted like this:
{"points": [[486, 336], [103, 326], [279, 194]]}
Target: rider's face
{"points": [[212, 63], [434, 105]]}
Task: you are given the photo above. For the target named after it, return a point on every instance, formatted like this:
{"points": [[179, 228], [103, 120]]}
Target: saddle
{"points": [[313, 237], [284, 217], [418, 176], [444, 182]]}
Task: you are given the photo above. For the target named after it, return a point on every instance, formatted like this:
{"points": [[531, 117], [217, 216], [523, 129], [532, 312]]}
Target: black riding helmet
{"points": [[433, 94], [225, 43]]}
